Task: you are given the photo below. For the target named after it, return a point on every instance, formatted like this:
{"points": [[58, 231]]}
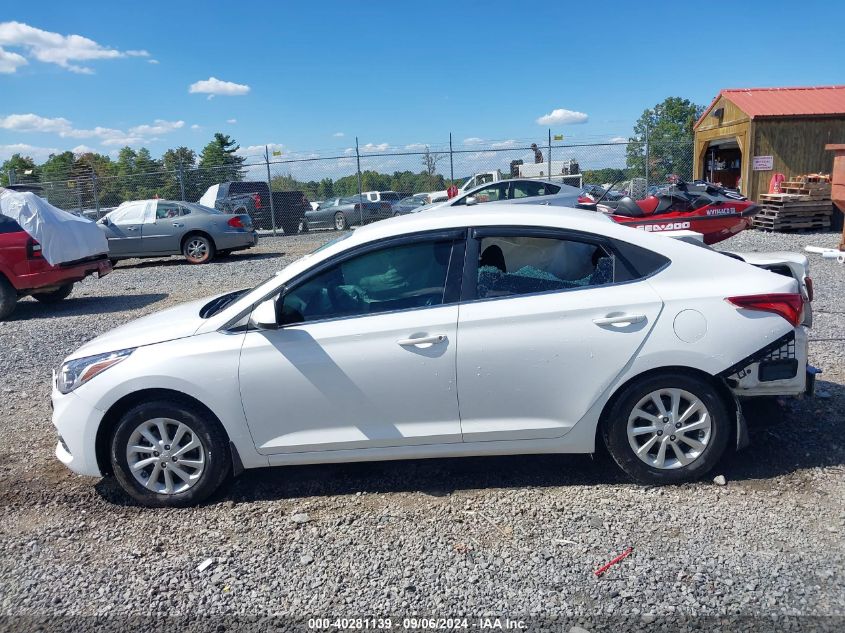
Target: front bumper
{"points": [[76, 422]]}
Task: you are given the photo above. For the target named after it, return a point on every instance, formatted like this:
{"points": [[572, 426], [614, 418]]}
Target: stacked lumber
{"points": [[804, 203]]}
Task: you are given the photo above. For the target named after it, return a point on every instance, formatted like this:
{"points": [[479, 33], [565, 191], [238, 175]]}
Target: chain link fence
{"points": [[633, 168]]}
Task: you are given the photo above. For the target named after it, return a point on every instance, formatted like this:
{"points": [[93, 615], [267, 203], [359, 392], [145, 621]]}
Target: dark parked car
{"points": [[341, 213], [253, 198], [409, 204]]}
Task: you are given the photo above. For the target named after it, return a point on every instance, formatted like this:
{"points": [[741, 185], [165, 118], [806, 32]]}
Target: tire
{"points": [[210, 461], [198, 249], [638, 402], [8, 298], [114, 262], [290, 227], [62, 292], [340, 223], [397, 214], [303, 225]]}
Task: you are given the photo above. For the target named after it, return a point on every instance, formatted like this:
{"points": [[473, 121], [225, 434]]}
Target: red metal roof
{"points": [[779, 102]]}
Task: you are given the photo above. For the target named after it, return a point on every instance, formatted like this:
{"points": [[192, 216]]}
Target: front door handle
{"points": [[131, 228], [178, 225], [620, 319], [423, 340]]}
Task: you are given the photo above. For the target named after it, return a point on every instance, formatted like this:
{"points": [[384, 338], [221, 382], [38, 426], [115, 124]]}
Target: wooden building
{"points": [[745, 136]]}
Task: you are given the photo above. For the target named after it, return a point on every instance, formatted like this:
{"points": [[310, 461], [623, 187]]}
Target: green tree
{"points": [[20, 168], [220, 162], [325, 189], [670, 137], [180, 169]]}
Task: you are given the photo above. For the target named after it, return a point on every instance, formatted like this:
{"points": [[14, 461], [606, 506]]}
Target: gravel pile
{"points": [[518, 536]]}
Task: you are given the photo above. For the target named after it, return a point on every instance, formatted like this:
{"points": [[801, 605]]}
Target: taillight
{"points": [[256, 198], [786, 304], [235, 222], [33, 249], [809, 283]]}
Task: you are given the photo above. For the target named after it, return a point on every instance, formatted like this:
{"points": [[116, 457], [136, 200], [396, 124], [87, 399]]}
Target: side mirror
{"points": [[471, 201], [264, 315]]}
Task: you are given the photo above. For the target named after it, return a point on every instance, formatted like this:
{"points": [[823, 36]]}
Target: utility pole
{"points": [[550, 154], [451, 163], [270, 189], [181, 174], [360, 195], [647, 157]]}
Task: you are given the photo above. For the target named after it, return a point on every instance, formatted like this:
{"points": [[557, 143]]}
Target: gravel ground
{"points": [[514, 536]]}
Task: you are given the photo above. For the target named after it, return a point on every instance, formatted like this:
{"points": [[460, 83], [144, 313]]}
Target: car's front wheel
{"points": [[667, 429], [340, 222], [169, 453], [60, 293], [198, 249], [8, 298]]}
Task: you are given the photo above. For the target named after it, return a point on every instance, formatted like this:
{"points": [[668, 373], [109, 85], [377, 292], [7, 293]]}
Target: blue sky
{"points": [[392, 73]]}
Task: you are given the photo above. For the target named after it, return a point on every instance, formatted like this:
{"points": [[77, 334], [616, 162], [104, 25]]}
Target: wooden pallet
{"points": [[769, 224]]}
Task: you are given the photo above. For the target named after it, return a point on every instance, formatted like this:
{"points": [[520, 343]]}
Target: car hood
{"points": [[167, 325]]}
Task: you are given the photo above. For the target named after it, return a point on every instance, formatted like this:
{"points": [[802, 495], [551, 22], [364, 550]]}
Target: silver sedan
{"points": [[158, 228], [514, 191]]}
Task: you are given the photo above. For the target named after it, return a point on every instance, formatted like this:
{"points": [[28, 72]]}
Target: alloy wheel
{"points": [[669, 428], [165, 456], [197, 249]]}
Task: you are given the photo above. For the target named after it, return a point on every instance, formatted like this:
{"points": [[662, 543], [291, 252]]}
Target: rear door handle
{"points": [[178, 224], [620, 319], [423, 340], [131, 228]]}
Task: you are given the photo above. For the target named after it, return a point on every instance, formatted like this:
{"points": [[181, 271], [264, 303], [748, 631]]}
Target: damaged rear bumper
{"points": [[778, 369]]}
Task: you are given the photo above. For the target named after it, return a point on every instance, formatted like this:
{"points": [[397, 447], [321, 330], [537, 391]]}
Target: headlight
{"points": [[80, 370]]}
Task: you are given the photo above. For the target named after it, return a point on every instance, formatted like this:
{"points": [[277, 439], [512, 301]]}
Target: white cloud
{"points": [[213, 86], [83, 149], [39, 154], [159, 126], [349, 150], [618, 139], [504, 144], [372, 147], [196, 127], [231, 121], [152, 61], [561, 116], [473, 140], [55, 48], [9, 62], [34, 123], [338, 134], [416, 147], [258, 150], [107, 136]]}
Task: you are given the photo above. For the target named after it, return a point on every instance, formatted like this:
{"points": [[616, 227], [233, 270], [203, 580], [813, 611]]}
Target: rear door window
{"points": [[523, 264]]}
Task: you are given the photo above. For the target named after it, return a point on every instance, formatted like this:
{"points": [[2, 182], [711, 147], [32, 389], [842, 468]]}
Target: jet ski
{"points": [[715, 212]]}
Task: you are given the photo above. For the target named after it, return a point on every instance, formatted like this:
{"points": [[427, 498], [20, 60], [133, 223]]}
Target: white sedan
{"points": [[457, 332]]}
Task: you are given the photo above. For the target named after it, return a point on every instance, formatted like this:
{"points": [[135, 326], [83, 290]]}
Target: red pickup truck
{"points": [[23, 271]]}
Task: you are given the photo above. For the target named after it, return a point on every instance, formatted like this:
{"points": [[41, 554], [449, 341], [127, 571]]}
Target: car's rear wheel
{"points": [[340, 222], [60, 293], [303, 225], [168, 453], [198, 249], [397, 214], [8, 297], [667, 429]]}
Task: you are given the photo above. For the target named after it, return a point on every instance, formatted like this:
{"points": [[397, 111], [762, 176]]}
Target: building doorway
{"points": [[723, 163]]}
